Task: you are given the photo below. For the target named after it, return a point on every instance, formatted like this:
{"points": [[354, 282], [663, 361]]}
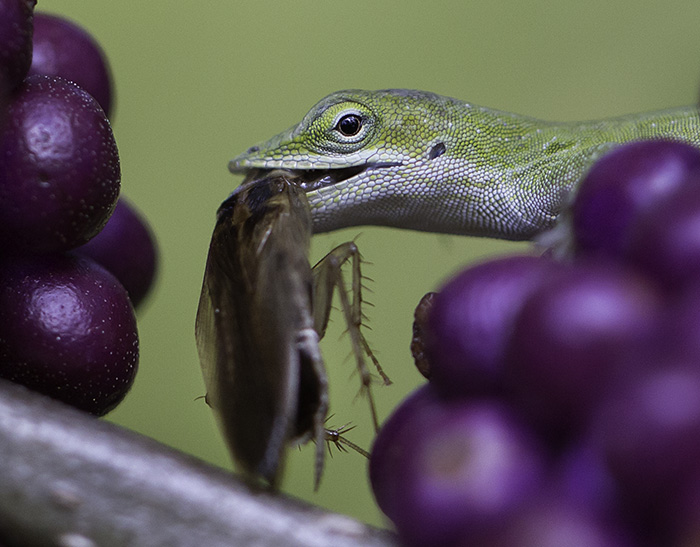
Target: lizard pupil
{"points": [[349, 125]]}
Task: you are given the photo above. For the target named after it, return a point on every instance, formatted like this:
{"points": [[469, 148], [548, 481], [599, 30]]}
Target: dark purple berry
{"points": [[15, 41], [471, 321], [569, 339], [393, 442], [126, 247], [59, 168], [649, 431], [4, 101], [684, 514], [582, 477], [553, 523], [453, 469], [666, 242], [622, 186], [68, 330], [62, 48], [679, 333]]}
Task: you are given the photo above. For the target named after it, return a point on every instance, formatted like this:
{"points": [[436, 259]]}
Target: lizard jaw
{"points": [[313, 179]]}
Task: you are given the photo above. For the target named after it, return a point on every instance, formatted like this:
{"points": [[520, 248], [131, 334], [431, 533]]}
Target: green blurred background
{"points": [[198, 82]]}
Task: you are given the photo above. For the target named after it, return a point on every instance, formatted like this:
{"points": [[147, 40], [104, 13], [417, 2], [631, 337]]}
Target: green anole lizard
{"points": [[417, 160]]}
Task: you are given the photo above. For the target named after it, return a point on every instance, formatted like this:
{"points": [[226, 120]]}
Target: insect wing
{"points": [[258, 350]]}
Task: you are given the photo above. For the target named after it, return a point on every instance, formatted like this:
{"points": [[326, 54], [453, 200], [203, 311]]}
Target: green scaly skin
{"points": [[425, 162]]}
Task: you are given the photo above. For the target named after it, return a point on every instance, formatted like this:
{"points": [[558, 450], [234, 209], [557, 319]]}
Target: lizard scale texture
{"points": [[421, 161]]}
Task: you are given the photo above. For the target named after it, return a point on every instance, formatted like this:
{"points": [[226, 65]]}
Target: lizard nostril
{"points": [[437, 151], [253, 149]]}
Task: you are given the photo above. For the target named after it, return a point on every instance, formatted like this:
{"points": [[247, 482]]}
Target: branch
{"points": [[69, 479]]}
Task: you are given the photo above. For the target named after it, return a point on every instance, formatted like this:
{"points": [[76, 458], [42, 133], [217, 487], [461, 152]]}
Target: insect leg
{"points": [[336, 437], [327, 277]]}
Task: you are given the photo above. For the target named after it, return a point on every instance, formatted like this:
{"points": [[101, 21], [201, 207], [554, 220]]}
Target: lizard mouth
{"points": [[313, 179]]}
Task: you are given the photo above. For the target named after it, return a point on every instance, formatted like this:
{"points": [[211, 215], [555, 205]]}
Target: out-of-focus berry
{"points": [[126, 247], [15, 42], [469, 326], [393, 443], [453, 469], [600, 359], [569, 338], [666, 242], [679, 333], [581, 476], [622, 186], [62, 48], [649, 432]]}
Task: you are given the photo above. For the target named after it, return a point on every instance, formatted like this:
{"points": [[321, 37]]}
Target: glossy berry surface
{"points": [[59, 168], [68, 330]]}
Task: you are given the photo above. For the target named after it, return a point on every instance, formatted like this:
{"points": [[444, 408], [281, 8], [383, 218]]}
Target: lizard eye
{"points": [[349, 125]]}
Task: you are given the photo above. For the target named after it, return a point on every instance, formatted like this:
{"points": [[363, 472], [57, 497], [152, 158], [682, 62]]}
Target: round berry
{"points": [[569, 339], [444, 470], [62, 48], [392, 443], [666, 242], [68, 330], [622, 186], [553, 522], [582, 477], [649, 431], [59, 168], [126, 247], [471, 320], [679, 333]]}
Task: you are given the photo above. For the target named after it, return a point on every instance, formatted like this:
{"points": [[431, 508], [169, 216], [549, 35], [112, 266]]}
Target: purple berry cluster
{"points": [[563, 403], [74, 260]]}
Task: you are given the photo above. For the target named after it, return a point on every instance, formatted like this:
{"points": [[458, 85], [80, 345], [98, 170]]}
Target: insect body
{"points": [[261, 313]]}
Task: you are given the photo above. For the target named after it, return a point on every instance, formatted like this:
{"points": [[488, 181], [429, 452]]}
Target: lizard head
{"points": [[351, 132]]}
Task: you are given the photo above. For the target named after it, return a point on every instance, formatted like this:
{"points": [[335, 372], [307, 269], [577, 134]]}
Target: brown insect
{"points": [[262, 312]]}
